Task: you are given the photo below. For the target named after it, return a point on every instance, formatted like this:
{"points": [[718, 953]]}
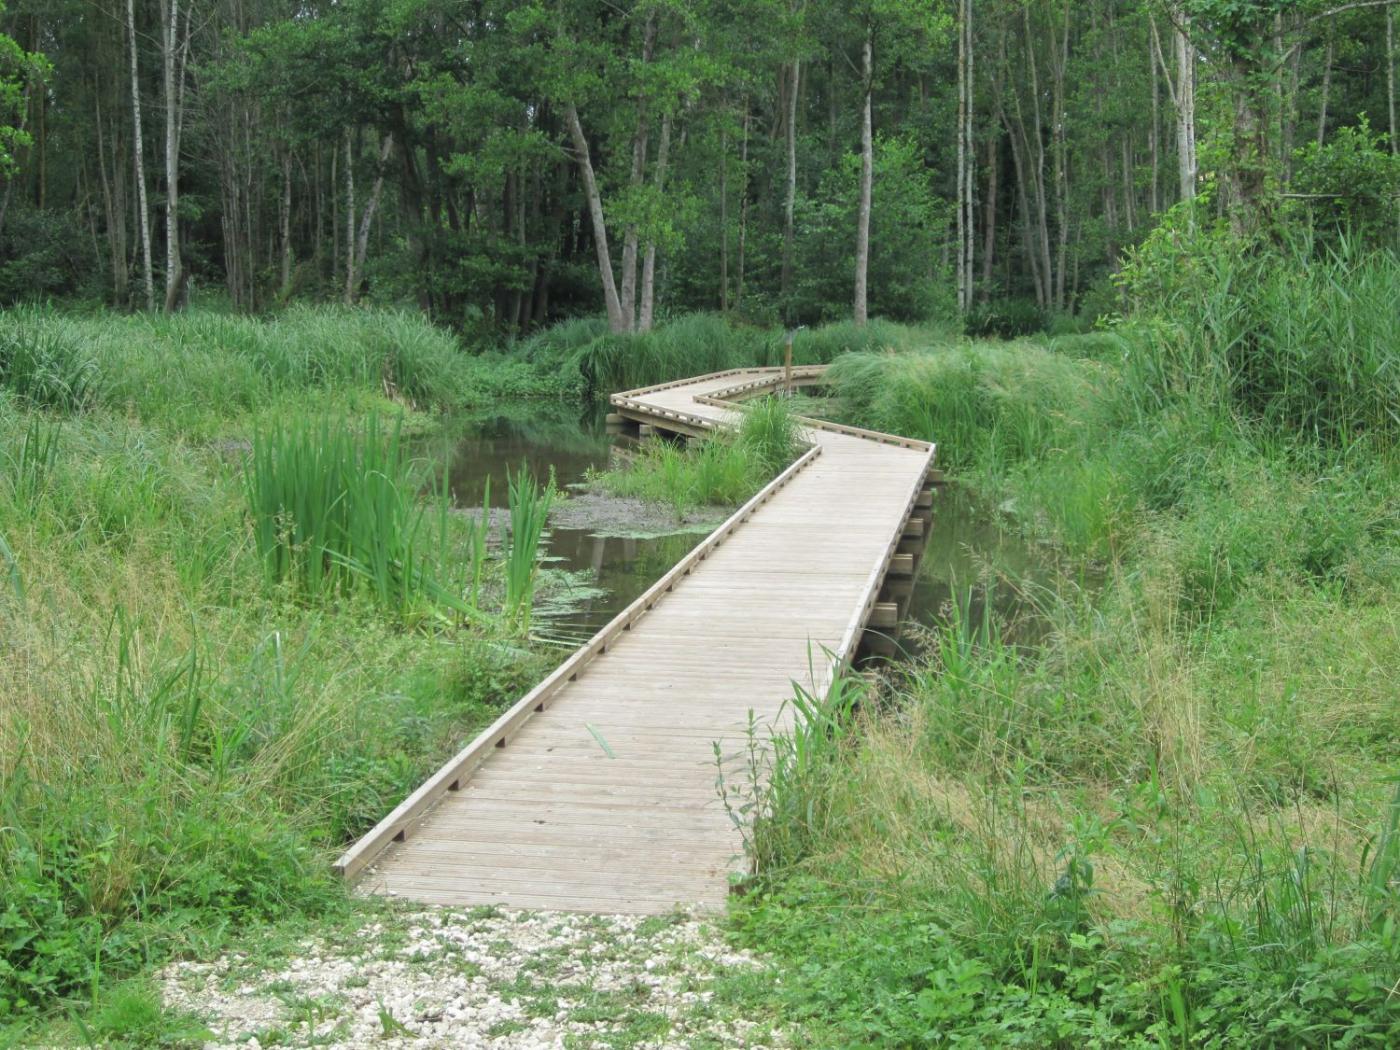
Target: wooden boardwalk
{"points": [[597, 790]]}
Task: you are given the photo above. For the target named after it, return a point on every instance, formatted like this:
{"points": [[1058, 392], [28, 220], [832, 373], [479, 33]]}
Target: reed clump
{"points": [[724, 469]]}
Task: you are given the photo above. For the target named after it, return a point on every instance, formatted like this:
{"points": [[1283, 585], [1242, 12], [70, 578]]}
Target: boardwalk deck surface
{"points": [[599, 794]]}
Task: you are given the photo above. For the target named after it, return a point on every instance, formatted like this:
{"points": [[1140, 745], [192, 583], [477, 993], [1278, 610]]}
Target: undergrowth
{"points": [[1173, 821], [236, 628]]}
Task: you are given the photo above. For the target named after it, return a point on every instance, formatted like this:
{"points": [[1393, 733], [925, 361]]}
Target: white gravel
{"points": [[484, 978]]}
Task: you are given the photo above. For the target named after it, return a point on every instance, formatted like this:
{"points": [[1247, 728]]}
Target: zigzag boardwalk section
{"points": [[597, 791]]}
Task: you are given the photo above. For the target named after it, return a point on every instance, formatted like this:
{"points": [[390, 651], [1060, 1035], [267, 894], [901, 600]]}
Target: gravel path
{"points": [[481, 978]]}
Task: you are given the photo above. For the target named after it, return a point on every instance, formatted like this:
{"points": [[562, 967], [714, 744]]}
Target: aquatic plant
{"points": [[529, 508]]}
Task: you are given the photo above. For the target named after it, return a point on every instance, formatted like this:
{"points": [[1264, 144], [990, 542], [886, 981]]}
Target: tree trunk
{"points": [[989, 233], [645, 308], [743, 211], [1185, 107], [285, 221], [1326, 89], [349, 220], [1154, 202], [1042, 208], [170, 46], [1059, 63], [867, 175], [617, 320], [724, 217], [964, 290], [367, 219], [969, 194], [630, 236], [1390, 78], [790, 199], [143, 214], [114, 206]]}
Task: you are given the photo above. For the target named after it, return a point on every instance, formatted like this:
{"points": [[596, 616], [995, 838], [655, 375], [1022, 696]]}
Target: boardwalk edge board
{"points": [[451, 777]]}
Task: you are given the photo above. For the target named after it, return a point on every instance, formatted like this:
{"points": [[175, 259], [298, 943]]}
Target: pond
{"points": [[599, 558], [601, 555]]}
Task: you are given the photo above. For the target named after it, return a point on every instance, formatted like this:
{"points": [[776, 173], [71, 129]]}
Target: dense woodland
{"points": [[491, 160], [272, 274]]}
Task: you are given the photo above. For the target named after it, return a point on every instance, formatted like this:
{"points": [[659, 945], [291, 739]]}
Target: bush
{"points": [[1351, 185], [44, 255]]}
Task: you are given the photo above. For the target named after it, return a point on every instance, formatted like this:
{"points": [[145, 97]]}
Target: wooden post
{"points": [[787, 364]]}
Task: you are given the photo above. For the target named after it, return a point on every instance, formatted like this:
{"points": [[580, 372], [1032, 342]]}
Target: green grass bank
{"points": [[1174, 821]]}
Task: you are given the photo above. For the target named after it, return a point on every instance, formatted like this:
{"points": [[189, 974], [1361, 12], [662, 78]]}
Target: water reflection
{"points": [[605, 571], [971, 554]]}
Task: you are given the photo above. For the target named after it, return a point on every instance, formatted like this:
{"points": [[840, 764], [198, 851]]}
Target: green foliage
{"points": [[19, 69], [529, 508], [907, 218], [333, 513], [1005, 319], [46, 365], [1351, 184], [43, 255]]}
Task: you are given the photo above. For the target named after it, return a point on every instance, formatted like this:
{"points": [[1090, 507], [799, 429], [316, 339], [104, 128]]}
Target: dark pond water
{"points": [[595, 572], [599, 570]]}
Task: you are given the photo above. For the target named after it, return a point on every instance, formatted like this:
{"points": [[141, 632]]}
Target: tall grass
{"points": [[1301, 341], [334, 512], [529, 509], [47, 365], [698, 343], [239, 738], [196, 368], [31, 465], [1172, 821], [721, 470], [988, 406]]}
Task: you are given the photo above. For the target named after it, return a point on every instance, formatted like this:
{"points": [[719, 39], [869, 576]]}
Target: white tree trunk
{"points": [[646, 307], [867, 175], [170, 31], [630, 237], [961, 219], [790, 198], [617, 321], [1185, 105], [1326, 90], [349, 220], [285, 222], [143, 213]]}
